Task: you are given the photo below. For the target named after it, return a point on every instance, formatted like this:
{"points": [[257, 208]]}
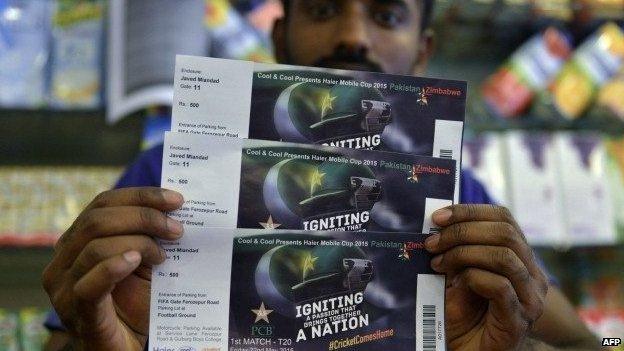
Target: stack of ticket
{"points": [[307, 192]]}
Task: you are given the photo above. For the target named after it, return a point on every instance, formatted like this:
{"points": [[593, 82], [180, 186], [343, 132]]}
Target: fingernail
{"points": [[432, 242], [435, 263], [132, 257], [173, 197], [174, 227], [441, 217]]}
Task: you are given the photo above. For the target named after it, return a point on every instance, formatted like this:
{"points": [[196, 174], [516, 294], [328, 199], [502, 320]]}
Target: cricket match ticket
{"points": [[267, 290], [255, 184], [306, 105]]}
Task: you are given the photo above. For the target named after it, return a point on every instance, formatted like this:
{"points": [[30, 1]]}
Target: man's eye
{"points": [[322, 11], [389, 18]]}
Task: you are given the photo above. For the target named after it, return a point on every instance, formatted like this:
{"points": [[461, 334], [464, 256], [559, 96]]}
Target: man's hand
{"points": [[99, 278], [495, 289]]}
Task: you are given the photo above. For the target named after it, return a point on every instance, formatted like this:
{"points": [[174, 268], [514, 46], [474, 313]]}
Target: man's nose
{"points": [[352, 32]]}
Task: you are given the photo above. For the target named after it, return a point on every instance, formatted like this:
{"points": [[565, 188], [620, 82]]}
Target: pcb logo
{"points": [[262, 329]]}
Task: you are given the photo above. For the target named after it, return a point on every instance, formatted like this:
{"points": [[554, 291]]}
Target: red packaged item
{"points": [[510, 91]]}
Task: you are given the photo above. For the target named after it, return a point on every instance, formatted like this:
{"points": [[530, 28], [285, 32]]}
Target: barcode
{"points": [[429, 327], [434, 230], [445, 153]]}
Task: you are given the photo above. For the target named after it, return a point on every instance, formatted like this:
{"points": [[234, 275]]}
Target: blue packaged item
{"points": [[77, 55], [24, 52]]}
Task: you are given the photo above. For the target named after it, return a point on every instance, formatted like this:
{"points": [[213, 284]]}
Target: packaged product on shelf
{"points": [[232, 36], [583, 177], [32, 226], [592, 65], [262, 14], [46, 200], [535, 192], [33, 335], [602, 296], [24, 52], [483, 154], [555, 9], [24, 218], [604, 323], [77, 55], [71, 189], [510, 91], [611, 96], [64, 199], [605, 9], [8, 216], [8, 331], [615, 170]]}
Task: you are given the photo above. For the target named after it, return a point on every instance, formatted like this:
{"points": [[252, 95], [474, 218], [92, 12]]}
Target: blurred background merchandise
{"points": [[22, 330], [46, 199], [86, 84]]}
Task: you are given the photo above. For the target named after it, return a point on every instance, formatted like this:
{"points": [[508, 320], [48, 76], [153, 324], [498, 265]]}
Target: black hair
{"points": [[426, 16]]}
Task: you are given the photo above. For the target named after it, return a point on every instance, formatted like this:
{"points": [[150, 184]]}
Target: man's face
{"points": [[365, 35]]}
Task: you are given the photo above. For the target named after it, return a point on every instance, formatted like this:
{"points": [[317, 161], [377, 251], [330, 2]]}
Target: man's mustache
{"points": [[342, 57]]}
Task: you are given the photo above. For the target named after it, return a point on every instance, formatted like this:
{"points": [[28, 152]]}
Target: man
{"points": [[497, 296]]}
